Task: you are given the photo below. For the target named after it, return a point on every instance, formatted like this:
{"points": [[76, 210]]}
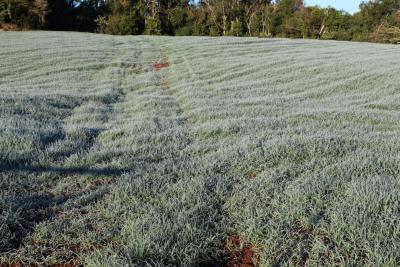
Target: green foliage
{"points": [[15, 12], [102, 24], [199, 20], [386, 33], [237, 28], [214, 31], [3, 12], [186, 30], [125, 24], [376, 21], [176, 17], [153, 25], [338, 35]]}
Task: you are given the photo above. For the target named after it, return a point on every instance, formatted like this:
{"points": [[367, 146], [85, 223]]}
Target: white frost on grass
{"points": [[291, 144]]}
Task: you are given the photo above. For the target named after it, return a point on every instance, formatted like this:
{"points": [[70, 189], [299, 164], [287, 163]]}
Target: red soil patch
{"points": [[68, 264], [164, 64], [239, 253], [158, 66], [16, 263]]}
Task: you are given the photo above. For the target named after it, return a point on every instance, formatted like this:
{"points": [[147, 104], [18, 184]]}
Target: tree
{"points": [[40, 9], [265, 20], [216, 11], [14, 11], [121, 17], [251, 8], [377, 21], [303, 19]]}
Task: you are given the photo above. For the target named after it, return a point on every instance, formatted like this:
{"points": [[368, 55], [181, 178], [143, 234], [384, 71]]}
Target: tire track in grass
{"points": [[270, 193], [237, 249], [232, 250], [139, 97], [233, 254], [169, 205], [98, 174], [43, 204], [67, 201]]}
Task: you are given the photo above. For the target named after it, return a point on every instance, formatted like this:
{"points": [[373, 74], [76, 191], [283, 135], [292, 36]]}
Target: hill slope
{"points": [[198, 151]]}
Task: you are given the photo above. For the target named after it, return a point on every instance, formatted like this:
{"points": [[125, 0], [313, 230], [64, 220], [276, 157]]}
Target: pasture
{"points": [[198, 151]]}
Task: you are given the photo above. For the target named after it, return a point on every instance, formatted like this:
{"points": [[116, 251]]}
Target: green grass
{"points": [[290, 144]]}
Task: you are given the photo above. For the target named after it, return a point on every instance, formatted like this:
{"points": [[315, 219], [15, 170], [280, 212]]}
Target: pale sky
{"points": [[350, 6]]}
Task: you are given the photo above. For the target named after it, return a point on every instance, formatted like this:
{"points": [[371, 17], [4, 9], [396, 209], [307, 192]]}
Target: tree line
{"points": [[377, 20]]}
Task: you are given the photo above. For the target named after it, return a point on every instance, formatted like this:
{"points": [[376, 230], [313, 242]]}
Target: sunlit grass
{"points": [[108, 161]]}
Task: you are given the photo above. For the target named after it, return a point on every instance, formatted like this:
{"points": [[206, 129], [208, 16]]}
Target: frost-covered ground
{"points": [[289, 146]]}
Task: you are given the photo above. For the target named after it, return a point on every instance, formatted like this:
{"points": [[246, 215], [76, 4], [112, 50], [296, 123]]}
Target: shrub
{"points": [[186, 30], [126, 24], [237, 28], [214, 31], [386, 33], [153, 26]]}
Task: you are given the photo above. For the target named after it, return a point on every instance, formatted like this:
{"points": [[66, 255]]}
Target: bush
{"points": [[336, 35], [126, 24], [153, 26], [237, 28], [186, 30], [386, 33], [360, 37], [214, 31]]}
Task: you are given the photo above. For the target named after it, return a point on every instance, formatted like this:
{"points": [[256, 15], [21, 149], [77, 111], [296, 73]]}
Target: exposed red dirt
{"points": [[158, 66], [164, 64], [240, 254], [17, 263]]}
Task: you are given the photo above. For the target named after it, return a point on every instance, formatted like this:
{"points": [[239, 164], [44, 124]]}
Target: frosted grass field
{"points": [[292, 145]]}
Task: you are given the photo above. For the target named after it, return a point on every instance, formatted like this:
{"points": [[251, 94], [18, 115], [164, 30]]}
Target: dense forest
{"points": [[377, 20]]}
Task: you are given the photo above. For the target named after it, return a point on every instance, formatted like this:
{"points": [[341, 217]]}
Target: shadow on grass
{"points": [[64, 170], [25, 211]]}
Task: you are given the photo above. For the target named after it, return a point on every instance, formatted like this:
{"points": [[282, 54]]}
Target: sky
{"points": [[350, 6]]}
